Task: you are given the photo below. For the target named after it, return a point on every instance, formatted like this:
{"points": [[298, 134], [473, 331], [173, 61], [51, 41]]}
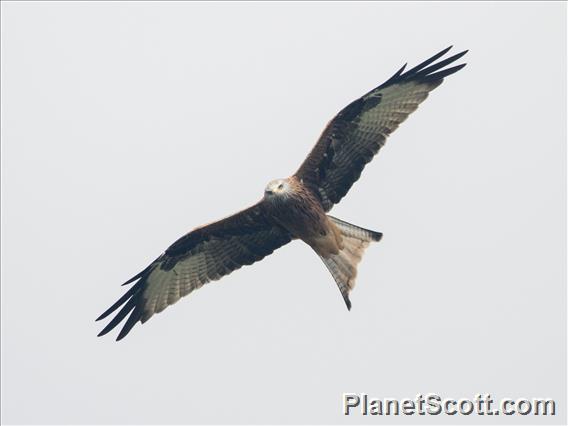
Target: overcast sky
{"points": [[124, 125]]}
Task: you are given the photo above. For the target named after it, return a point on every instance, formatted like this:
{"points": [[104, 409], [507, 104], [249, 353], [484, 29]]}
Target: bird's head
{"points": [[277, 188]]}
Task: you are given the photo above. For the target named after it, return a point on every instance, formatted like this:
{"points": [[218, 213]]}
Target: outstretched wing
{"points": [[205, 254], [356, 134]]}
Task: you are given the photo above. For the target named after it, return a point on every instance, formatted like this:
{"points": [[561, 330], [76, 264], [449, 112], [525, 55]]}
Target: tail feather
{"points": [[343, 266], [350, 230]]}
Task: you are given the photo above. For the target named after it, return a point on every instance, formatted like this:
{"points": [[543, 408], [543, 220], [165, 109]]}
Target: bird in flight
{"points": [[292, 208]]}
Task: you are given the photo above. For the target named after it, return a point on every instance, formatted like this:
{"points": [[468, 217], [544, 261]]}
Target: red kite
{"points": [[292, 208]]}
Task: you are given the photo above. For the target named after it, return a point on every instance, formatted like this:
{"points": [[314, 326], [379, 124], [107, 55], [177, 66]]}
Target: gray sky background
{"points": [[124, 125]]}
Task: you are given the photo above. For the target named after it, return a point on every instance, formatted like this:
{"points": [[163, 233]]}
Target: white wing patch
{"points": [[397, 103]]}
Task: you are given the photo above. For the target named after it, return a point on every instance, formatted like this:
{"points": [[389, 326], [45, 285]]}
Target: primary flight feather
{"points": [[292, 208]]}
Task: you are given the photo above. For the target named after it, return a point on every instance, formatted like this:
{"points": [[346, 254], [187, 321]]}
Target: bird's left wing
{"points": [[205, 254], [358, 131]]}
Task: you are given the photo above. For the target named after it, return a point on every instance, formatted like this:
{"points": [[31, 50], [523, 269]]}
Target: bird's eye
{"points": [[280, 186]]}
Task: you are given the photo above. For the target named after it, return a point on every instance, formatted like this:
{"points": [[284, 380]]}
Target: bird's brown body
{"points": [[293, 208], [297, 209]]}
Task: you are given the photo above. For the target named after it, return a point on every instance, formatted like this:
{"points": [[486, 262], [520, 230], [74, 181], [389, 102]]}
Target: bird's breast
{"points": [[304, 217]]}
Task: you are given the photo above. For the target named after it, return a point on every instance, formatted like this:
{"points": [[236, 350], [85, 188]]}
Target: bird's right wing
{"points": [[204, 254]]}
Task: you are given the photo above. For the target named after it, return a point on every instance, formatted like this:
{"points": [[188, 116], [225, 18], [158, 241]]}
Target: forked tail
{"points": [[343, 266]]}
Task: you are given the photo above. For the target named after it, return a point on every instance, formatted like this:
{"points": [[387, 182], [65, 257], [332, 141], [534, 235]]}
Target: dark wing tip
{"points": [[426, 71], [133, 304], [120, 302], [440, 75], [132, 301], [134, 317], [396, 75], [376, 236], [134, 307], [126, 309]]}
